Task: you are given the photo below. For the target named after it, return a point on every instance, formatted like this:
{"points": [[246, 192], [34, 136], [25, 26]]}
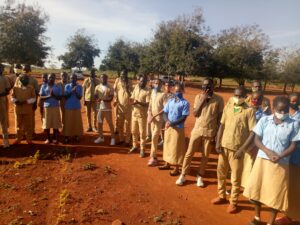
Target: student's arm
{"points": [[245, 147], [273, 156], [289, 150], [83, 90], [219, 138], [180, 120], [78, 92], [199, 104]]}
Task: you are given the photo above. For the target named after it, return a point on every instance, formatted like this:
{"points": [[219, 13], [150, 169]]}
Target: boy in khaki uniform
{"points": [[237, 122], [104, 94], [140, 100], [123, 89], [24, 97], [4, 91], [208, 108], [89, 86]]}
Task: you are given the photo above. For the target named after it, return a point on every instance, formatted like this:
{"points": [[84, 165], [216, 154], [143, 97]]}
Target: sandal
{"points": [[174, 173], [164, 167]]}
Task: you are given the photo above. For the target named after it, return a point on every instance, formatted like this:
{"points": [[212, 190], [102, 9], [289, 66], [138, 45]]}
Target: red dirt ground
{"points": [[55, 189]]}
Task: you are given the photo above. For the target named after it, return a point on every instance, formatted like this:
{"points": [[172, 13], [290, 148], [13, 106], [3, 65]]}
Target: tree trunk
{"points": [[220, 82], [293, 87], [265, 85], [284, 87]]}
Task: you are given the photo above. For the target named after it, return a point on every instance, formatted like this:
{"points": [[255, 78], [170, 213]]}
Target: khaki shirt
{"points": [[157, 103], [207, 123], [237, 126], [104, 94], [32, 81], [122, 95], [23, 94], [4, 85], [141, 95], [89, 86]]}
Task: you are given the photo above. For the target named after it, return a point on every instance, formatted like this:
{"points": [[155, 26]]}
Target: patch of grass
{"points": [[89, 166], [34, 184], [64, 196], [109, 170]]}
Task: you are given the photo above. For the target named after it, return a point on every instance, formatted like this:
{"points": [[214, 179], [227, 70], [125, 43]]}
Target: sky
{"points": [[136, 20]]}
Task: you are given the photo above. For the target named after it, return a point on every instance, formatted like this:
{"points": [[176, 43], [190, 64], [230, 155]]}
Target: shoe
{"points": [[161, 143], [99, 140], [148, 139], [200, 181], [47, 141], [254, 222], [232, 209], [89, 129], [283, 220], [152, 162], [142, 153], [219, 201], [113, 141], [5, 143], [29, 142], [95, 129], [16, 142], [180, 181], [133, 149]]}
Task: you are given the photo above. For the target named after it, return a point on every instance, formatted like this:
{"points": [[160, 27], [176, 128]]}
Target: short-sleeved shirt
{"points": [[23, 94], [141, 95], [72, 102], [104, 93], [45, 91], [89, 86], [157, 102], [176, 108], [4, 85], [208, 122], [295, 157], [276, 137], [122, 95], [237, 126]]}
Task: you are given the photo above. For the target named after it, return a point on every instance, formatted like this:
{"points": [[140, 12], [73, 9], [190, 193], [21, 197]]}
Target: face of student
{"points": [[45, 78], [256, 86], [294, 102], [282, 111], [64, 78], [24, 80], [238, 97], [104, 79], [123, 75], [168, 87], [142, 82], [93, 74], [156, 85], [207, 87], [52, 78], [74, 79], [256, 99]]}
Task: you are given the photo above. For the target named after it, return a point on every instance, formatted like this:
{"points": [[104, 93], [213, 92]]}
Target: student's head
{"points": [[51, 79], [93, 73], [256, 86], [179, 89], [64, 77], [239, 96], [208, 86], [104, 79], [74, 79], [168, 86], [256, 99], [1, 69], [124, 75], [294, 101], [281, 106], [27, 68], [45, 78], [18, 69], [157, 83], [24, 79], [142, 80]]}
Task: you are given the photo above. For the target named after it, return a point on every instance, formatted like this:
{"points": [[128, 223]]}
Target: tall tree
{"points": [[82, 48], [270, 67], [22, 34]]}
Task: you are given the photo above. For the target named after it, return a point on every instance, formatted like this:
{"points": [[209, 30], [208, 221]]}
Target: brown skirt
{"points": [[294, 193], [268, 183], [174, 146], [51, 118], [73, 123]]}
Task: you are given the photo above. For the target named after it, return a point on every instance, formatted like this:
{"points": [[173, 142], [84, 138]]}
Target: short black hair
{"points": [[180, 85], [209, 79], [242, 89], [141, 75], [281, 99]]}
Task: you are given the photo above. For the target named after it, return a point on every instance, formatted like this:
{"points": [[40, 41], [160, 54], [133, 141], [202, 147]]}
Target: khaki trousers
{"points": [[91, 106], [197, 142], [105, 115], [4, 118], [124, 121], [226, 161], [24, 126], [138, 129], [156, 127]]}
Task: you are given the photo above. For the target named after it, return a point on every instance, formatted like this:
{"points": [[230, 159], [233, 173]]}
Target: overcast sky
{"points": [[135, 20]]}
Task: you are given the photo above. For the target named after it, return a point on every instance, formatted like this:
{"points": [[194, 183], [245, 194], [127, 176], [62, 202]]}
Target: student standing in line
{"points": [[208, 109], [41, 101], [64, 80], [175, 113], [73, 128], [237, 122], [275, 136]]}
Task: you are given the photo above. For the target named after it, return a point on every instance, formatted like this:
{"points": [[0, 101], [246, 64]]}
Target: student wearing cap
{"points": [[89, 86], [51, 94], [140, 101], [104, 94], [208, 109], [237, 122], [4, 91], [123, 90], [175, 113], [23, 96], [275, 136], [73, 128]]}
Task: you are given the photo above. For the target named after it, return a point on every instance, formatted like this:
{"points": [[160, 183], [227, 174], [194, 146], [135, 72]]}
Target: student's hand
{"points": [[168, 124], [219, 148], [273, 156], [74, 89], [238, 154], [135, 102], [115, 104]]}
